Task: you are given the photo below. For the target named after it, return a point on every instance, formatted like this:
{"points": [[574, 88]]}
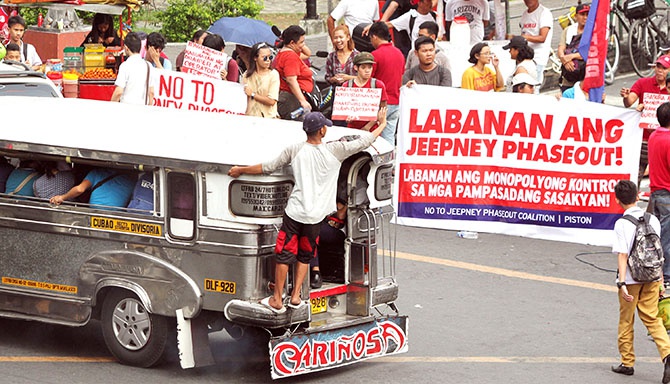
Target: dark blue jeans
{"points": [[660, 202]]}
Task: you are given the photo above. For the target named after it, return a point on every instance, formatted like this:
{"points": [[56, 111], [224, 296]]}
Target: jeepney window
{"points": [[181, 205]]}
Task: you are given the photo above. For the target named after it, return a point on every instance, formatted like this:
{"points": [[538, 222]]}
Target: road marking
{"points": [[55, 359], [387, 359], [510, 359], [506, 272]]}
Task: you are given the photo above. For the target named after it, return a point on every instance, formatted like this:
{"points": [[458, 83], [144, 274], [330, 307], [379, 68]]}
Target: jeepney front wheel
{"points": [[132, 334]]}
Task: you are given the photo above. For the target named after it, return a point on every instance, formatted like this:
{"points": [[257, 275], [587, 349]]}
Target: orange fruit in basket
{"points": [[99, 73]]}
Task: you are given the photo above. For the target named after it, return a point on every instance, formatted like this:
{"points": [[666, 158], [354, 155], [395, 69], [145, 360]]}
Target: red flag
{"points": [[593, 48]]}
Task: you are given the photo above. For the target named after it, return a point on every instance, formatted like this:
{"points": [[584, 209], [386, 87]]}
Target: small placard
{"points": [[200, 60], [648, 118], [360, 104]]}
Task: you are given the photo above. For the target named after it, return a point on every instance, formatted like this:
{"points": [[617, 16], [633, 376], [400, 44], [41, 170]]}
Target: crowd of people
{"points": [[279, 82]]}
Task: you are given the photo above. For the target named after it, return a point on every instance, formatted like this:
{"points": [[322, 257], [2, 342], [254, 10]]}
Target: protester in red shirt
{"points": [[389, 67], [363, 63], [655, 84], [294, 75], [659, 179]]}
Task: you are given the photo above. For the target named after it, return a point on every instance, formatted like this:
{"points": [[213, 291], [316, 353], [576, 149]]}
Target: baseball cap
{"points": [[524, 78], [516, 42], [583, 8], [314, 121], [364, 58], [664, 61]]}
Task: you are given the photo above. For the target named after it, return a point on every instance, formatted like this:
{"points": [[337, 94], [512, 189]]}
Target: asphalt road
{"points": [[499, 309]]}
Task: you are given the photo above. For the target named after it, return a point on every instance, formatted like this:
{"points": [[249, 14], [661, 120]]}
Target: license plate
{"points": [[220, 286], [319, 304]]}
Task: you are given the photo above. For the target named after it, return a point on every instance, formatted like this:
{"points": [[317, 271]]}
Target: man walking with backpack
{"points": [[639, 286], [659, 179]]}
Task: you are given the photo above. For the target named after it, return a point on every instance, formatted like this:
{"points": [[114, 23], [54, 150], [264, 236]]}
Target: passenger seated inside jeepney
{"points": [[330, 253], [5, 169], [20, 181], [57, 179], [142, 200], [107, 187]]}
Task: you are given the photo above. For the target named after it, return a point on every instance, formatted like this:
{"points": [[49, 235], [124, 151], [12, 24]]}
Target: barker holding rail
{"points": [[315, 169]]}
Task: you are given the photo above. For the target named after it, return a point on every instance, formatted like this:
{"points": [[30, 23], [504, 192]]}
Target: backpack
{"points": [[412, 20], [580, 65], [373, 83], [645, 258], [639, 9]]}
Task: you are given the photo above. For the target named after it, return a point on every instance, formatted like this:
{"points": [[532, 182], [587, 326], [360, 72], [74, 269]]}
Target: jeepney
{"points": [[202, 258]]}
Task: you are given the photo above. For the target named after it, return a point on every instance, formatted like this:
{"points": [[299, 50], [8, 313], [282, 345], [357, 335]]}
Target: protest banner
{"points": [[200, 60], [526, 165], [361, 104], [178, 90], [651, 102]]}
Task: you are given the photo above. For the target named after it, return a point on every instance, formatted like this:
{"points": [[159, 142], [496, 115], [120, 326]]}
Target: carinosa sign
{"points": [[301, 354]]}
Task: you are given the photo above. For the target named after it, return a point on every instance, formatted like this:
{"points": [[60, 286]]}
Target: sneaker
{"points": [[666, 370], [315, 280], [622, 369]]}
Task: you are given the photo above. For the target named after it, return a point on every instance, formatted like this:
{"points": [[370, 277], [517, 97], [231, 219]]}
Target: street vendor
{"points": [[102, 32]]}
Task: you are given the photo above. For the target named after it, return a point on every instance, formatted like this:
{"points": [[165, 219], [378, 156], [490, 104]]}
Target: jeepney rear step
{"points": [[256, 314]]}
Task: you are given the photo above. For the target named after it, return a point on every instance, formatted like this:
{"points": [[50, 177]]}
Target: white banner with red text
{"points": [[179, 90], [518, 164]]}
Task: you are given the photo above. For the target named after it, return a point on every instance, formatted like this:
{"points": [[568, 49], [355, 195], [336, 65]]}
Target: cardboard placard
{"points": [[648, 118], [200, 60], [360, 104]]}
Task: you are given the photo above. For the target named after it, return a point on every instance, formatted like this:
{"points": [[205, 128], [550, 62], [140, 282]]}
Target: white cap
{"points": [[524, 78]]}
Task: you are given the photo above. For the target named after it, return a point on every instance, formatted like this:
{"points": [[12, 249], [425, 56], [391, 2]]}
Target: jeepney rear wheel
{"points": [[132, 334]]}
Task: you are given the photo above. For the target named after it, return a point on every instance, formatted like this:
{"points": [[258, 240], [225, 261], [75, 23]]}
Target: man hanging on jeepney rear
{"points": [[315, 169]]}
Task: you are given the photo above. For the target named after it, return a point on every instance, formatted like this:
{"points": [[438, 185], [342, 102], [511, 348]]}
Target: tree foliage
{"points": [[183, 17], [234, 8]]}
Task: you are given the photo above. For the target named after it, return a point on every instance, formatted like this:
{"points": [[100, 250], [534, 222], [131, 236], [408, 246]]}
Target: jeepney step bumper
{"points": [[301, 352], [256, 314]]}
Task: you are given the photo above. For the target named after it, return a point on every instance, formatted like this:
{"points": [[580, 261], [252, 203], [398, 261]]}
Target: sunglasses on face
{"points": [[268, 58]]}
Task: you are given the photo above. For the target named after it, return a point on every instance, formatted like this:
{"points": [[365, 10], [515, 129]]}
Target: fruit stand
{"points": [[97, 84]]}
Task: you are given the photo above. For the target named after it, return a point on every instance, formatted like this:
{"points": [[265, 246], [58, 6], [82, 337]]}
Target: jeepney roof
{"points": [[101, 130]]}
